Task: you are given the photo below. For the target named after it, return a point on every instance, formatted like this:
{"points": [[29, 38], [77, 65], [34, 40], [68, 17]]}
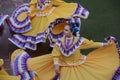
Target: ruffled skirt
{"points": [[101, 64]]}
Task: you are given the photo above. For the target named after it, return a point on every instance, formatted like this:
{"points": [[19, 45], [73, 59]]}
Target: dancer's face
{"points": [[67, 31]]}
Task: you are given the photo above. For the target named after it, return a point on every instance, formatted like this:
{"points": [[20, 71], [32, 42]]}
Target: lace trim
{"points": [[39, 13]]}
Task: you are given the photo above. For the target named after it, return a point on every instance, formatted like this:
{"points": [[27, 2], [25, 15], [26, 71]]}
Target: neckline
{"points": [[71, 44], [68, 52]]}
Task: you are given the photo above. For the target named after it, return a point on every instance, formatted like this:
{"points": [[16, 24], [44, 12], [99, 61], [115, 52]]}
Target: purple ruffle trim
{"points": [[57, 76], [19, 60], [115, 40], [68, 52], [117, 73], [20, 9], [29, 42], [2, 19], [54, 37], [19, 30], [20, 67], [29, 75], [80, 10], [17, 25]]}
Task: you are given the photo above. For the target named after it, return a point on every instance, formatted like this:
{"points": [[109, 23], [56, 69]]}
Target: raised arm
{"points": [[91, 44]]}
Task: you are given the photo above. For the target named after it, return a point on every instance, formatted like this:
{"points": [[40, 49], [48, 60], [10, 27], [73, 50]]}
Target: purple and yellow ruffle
{"points": [[20, 26], [117, 73], [68, 52], [20, 68], [28, 41]]}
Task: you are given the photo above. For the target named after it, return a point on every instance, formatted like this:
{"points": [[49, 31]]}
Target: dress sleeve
{"points": [[56, 53], [90, 44]]}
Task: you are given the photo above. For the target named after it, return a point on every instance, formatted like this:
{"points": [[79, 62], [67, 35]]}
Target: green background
{"points": [[103, 20]]}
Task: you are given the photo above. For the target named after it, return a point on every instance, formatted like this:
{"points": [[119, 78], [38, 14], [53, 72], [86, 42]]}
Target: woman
{"points": [[30, 22], [68, 62]]}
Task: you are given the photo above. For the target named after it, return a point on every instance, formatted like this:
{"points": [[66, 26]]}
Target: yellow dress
{"points": [[31, 25], [4, 75], [100, 64]]}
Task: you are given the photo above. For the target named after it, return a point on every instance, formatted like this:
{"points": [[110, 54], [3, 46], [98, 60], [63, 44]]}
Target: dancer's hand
{"points": [[105, 44]]}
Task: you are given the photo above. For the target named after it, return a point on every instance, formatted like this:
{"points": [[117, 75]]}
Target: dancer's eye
{"points": [[66, 30]]}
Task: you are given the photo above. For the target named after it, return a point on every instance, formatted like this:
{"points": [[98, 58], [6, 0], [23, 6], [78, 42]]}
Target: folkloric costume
{"points": [[100, 64], [31, 22]]}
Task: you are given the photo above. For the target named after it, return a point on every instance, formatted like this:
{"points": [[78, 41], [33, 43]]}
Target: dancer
{"points": [[30, 22], [68, 63]]}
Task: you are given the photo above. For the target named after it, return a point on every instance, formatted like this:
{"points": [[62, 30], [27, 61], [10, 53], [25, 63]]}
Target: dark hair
{"points": [[73, 28]]}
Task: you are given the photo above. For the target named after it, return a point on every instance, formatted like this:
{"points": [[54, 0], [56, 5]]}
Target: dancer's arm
{"points": [[91, 44], [56, 54]]}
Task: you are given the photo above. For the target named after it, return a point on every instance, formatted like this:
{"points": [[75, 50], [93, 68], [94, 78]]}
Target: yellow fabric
{"points": [[41, 23], [44, 67], [3, 71], [101, 64], [55, 1], [1, 62], [22, 16], [36, 77], [56, 53], [59, 27], [33, 1], [76, 56], [6, 77], [15, 53], [89, 44]]}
